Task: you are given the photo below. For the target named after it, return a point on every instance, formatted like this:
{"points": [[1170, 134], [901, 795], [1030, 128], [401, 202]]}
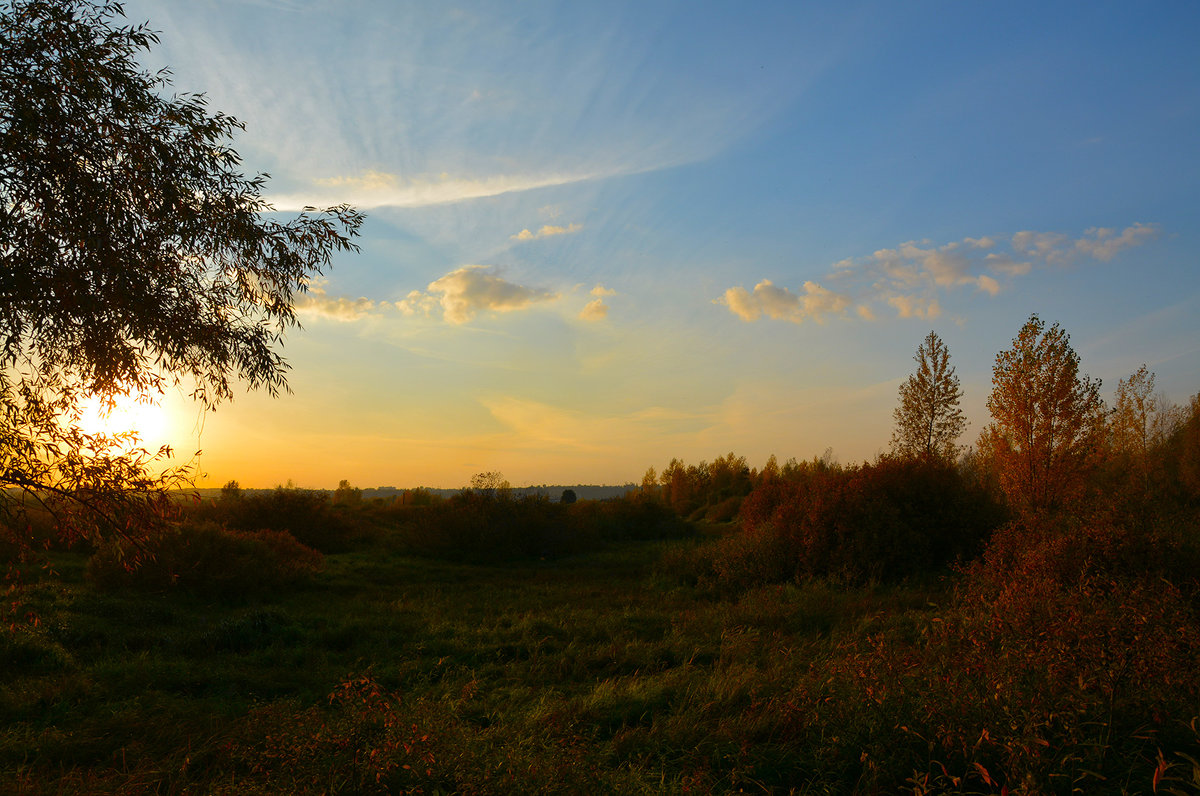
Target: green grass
{"points": [[600, 673]]}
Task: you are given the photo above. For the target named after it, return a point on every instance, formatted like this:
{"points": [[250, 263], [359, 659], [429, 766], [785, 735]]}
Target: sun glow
{"points": [[137, 414]]}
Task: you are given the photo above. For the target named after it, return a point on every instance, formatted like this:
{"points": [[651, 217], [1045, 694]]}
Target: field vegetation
{"points": [[1020, 618], [894, 626], [1015, 616]]}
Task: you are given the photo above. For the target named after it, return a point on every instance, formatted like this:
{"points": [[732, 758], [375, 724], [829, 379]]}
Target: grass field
{"points": [[610, 672]]}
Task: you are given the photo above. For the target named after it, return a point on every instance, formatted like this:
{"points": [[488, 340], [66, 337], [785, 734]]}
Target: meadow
{"points": [[1020, 614], [622, 663]]}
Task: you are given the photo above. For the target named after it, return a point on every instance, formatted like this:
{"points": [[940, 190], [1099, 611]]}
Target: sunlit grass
{"points": [[604, 672]]}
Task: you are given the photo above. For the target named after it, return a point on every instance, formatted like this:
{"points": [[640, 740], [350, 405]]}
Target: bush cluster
{"points": [[481, 526], [887, 520], [203, 558], [1066, 662], [306, 514]]}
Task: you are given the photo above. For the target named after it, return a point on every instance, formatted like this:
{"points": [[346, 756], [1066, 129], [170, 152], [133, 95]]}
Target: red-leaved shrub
{"points": [[885, 520]]}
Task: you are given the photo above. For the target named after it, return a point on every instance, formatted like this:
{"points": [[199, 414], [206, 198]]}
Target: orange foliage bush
{"points": [[885, 520], [1067, 661]]}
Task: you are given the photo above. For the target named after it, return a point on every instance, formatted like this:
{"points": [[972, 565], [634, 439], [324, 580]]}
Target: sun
{"points": [[130, 413]]}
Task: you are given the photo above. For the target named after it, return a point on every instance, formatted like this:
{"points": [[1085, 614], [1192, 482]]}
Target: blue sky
{"points": [[602, 235]]}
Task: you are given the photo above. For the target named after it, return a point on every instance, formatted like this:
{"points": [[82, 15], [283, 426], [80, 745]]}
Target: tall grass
{"points": [[1062, 661]]}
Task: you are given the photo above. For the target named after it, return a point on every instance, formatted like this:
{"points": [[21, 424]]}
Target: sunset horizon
{"points": [[602, 237], [599, 398]]}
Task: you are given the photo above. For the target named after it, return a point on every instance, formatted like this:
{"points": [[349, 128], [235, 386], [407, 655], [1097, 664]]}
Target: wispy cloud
{"points": [[547, 231], [373, 189], [535, 424], [316, 303], [1099, 242], [467, 291], [914, 277]]}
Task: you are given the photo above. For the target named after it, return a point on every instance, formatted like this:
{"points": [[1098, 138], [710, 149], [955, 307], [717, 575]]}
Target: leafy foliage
{"points": [[306, 514], [1141, 420], [133, 255], [890, 519], [710, 491], [1047, 430]]}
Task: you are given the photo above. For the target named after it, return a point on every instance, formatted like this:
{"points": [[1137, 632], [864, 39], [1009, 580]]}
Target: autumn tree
{"points": [[928, 420], [1047, 426], [134, 256], [1185, 444], [770, 470], [1141, 419], [1138, 480], [649, 489]]}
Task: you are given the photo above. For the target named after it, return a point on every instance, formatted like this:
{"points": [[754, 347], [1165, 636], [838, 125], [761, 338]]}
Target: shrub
{"points": [[1022, 553], [1064, 664], [306, 514], [481, 527], [203, 558], [625, 519], [885, 520], [1058, 690]]}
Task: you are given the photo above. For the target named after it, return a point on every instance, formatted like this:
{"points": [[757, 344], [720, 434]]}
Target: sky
{"points": [[601, 236]]}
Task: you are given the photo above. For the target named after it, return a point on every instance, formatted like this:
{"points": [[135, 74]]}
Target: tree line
{"points": [[136, 255]]}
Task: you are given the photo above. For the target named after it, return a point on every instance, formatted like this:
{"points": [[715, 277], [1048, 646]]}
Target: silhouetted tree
{"points": [[133, 254], [568, 497], [928, 420], [649, 489], [491, 484], [346, 495], [1047, 424]]}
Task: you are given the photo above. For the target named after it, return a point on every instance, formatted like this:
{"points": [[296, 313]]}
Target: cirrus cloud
{"points": [[372, 189]]}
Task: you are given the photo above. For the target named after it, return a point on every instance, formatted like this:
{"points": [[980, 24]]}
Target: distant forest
{"points": [[392, 493]]}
